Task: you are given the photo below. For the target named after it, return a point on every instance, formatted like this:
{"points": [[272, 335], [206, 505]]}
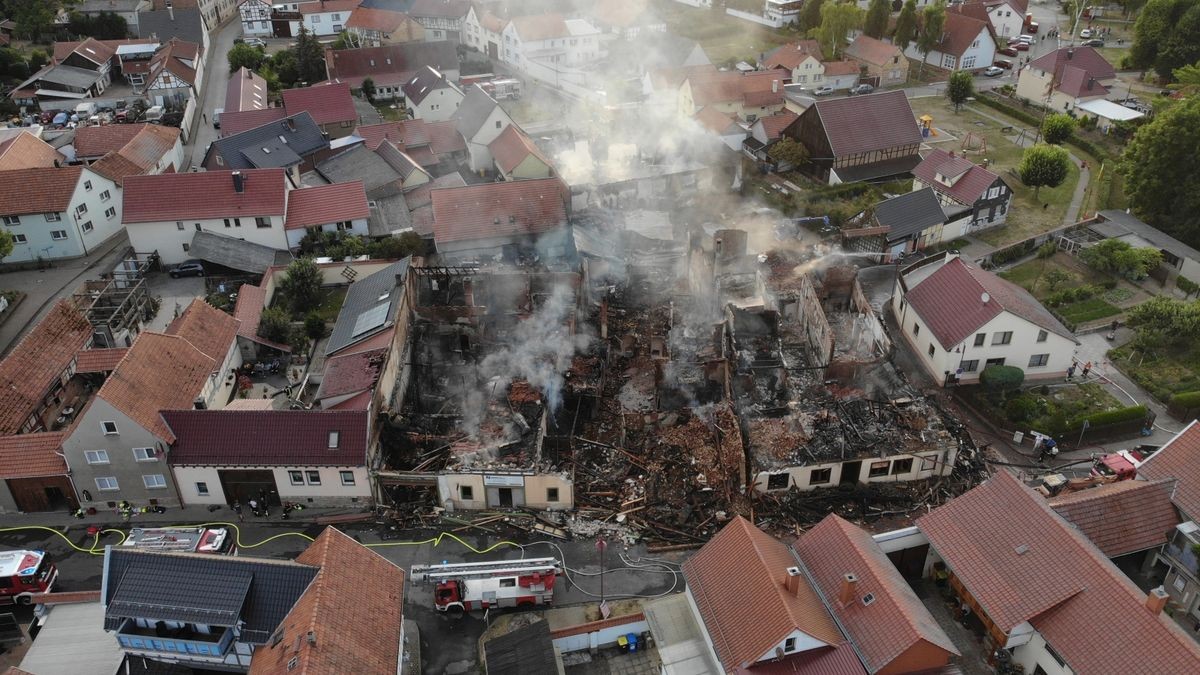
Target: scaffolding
{"points": [[118, 303]]}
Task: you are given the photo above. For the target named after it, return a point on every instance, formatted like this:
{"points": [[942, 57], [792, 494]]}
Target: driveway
{"points": [[216, 78], [175, 296]]}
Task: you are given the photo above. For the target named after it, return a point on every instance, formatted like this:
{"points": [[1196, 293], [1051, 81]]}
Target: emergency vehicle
{"points": [[23, 573], [182, 539], [463, 587], [1123, 465]]}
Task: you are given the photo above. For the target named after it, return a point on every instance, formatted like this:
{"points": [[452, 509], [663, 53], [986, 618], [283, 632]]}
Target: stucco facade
{"points": [[92, 216], [336, 486], [104, 465], [476, 491], [172, 239]]}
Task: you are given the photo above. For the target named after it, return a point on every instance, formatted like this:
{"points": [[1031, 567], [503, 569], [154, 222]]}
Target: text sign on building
{"points": [[504, 481]]}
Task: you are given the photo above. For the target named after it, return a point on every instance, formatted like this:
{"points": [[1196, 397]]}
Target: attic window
{"points": [[283, 140], [1022, 549], [868, 599], [334, 436], [293, 662], [266, 151]]}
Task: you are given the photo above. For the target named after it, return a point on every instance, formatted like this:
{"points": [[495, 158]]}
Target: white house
{"points": [[58, 212], [176, 73], [340, 207], [551, 48], [1007, 16], [481, 29], [967, 44], [1066, 78], [326, 18], [256, 18], [163, 213], [431, 96], [801, 59], [960, 319], [480, 120]]}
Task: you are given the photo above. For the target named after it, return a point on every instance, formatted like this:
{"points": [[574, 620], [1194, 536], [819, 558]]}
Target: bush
{"points": [[1002, 378], [1105, 418], [1186, 400], [275, 324], [1108, 284], [1022, 409], [314, 326]]}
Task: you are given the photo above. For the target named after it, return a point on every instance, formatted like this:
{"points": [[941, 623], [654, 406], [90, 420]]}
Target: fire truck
{"points": [[182, 539], [23, 573], [463, 587]]}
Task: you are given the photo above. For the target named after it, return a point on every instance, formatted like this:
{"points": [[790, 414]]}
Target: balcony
{"points": [[1181, 548], [185, 642]]}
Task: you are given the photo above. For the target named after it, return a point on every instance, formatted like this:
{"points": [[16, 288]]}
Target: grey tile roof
{"points": [[358, 163], [142, 581], [473, 111], [186, 24], [237, 254], [391, 213], [527, 649], [370, 293], [65, 75], [285, 141], [910, 213], [1130, 224]]}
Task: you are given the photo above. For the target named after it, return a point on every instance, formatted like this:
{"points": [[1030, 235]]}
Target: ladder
{"points": [[486, 569]]}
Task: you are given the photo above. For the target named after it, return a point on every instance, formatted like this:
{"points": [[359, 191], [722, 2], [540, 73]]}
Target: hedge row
{"points": [[1034, 121], [1186, 400], [1109, 418]]}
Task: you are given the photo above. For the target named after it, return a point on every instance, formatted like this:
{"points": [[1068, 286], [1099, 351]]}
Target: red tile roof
{"points": [[444, 138], [865, 123], [209, 329], [116, 167], [1022, 562], [839, 660], [38, 360], [737, 580], [172, 57], [329, 6], [960, 32], [327, 103], [875, 52], [26, 151], [972, 186], [1078, 83], [499, 209], [245, 120], [203, 195], [403, 134], [389, 65], [247, 90], [1179, 459], [712, 119], [793, 54], [55, 186], [377, 19], [99, 360], [727, 86], [1123, 517], [267, 437], [511, 148], [325, 204], [538, 27], [1085, 61], [351, 373], [891, 625], [248, 311], [773, 125], [950, 302], [63, 49], [839, 68], [32, 455], [975, 10], [160, 372], [99, 141], [353, 611]]}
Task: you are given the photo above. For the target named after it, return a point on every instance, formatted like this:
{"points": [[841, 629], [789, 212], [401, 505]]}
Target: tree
{"points": [[1166, 36], [6, 243], [933, 24], [38, 60], [1182, 45], [878, 13], [368, 90], [286, 68], [960, 88], [34, 18], [1057, 128], [810, 15], [1158, 190], [788, 150], [310, 57], [395, 248], [1044, 166], [1056, 277], [314, 326], [275, 325], [1187, 78], [102, 26], [837, 19], [243, 55], [302, 285], [906, 26], [1119, 257], [1165, 321]]}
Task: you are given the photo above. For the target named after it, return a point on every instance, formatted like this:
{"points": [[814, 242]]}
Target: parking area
{"points": [[174, 295]]}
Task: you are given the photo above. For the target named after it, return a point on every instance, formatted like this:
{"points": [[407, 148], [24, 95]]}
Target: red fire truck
{"points": [[463, 587], [24, 573], [182, 539]]}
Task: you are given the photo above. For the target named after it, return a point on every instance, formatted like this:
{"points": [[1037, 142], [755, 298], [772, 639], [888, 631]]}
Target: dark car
{"points": [[1094, 42], [861, 89], [1003, 63], [1007, 51], [187, 268], [1022, 46]]}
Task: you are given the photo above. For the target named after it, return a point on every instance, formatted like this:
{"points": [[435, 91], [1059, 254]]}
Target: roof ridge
{"points": [[1119, 487]]}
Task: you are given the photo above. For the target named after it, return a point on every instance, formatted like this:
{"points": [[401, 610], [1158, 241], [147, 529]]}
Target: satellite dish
{"points": [[984, 297]]}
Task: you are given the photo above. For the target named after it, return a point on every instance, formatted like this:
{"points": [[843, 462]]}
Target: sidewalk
{"points": [[188, 515]]}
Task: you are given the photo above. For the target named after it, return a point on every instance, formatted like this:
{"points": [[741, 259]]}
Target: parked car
{"points": [[187, 268], [993, 71], [255, 42], [824, 90], [1026, 38], [861, 89], [1094, 42], [1022, 46], [1085, 33], [1003, 63], [1007, 51]]}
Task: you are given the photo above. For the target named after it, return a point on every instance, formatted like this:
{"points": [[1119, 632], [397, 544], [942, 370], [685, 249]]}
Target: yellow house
{"points": [[517, 158]]}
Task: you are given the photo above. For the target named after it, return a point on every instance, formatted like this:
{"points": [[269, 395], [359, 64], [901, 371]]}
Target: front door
{"points": [[506, 497], [850, 471]]}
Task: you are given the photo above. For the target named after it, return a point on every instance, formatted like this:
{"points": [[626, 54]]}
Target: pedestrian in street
{"points": [[1086, 368], [253, 506], [204, 116], [237, 508], [1070, 375]]}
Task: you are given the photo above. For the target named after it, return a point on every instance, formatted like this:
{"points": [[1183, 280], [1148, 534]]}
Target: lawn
{"points": [[1046, 408], [1113, 55], [1087, 310], [721, 36], [331, 302], [1031, 275], [390, 113], [1164, 373]]}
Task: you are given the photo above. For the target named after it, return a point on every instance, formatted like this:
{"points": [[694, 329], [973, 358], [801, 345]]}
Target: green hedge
{"points": [[1186, 400], [1108, 418], [1035, 121]]}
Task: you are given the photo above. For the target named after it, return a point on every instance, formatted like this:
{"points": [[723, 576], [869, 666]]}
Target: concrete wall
{"points": [[439, 105], [598, 634], [87, 434], [532, 491], [170, 237], [477, 147], [935, 462]]}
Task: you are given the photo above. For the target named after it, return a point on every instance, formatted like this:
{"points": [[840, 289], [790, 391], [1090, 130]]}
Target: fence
{"points": [[756, 18], [597, 634]]}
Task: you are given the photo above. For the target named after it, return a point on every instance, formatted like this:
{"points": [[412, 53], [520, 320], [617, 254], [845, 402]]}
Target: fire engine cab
{"points": [[23, 573], [464, 587]]}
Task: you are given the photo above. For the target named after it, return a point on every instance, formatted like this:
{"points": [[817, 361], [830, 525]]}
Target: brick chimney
{"points": [[1156, 600], [791, 582], [849, 589]]}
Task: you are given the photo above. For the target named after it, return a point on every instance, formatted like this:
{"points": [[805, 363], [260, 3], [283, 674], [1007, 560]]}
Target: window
{"points": [[1039, 360], [12, 220], [789, 645], [928, 462], [994, 362], [778, 481], [337, 17], [510, 582], [202, 489], [87, 185], [110, 212], [900, 466], [220, 160], [1002, 338], [333, 438], [497, 124], [466, 493], [107, 484], [198, 228], [228, 223], [347, 477], [81, 209], [186, 247], [868, 599], [969, 62], [87, 227], [820, 476], [96, 456], [1054, 655], [154, 481], [879, 469], [144, 455], [316, 18], [52, 217], [179, 225], [1042, 335], [314, 477], [109, 428], [916, 329], [105, 196], [260, 222], [969, 366], [980, 338], [296, 477], [19, 238], [932, 349], [58, 235], [993, 193]]}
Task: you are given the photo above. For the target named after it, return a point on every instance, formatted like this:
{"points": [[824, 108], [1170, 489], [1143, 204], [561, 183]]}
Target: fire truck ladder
{"points": [[165, 542], [496, 568]]}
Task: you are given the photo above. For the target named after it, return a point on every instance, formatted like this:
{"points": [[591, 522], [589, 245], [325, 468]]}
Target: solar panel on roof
{"points": [[371, 319]]}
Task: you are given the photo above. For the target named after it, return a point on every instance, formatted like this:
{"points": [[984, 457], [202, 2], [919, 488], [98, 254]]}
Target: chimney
{"points": [[1070, 53], [1156, 600], [849, 588], [291, 123], [199, 404], [791, 583], [1091, 83], [239, 182]]}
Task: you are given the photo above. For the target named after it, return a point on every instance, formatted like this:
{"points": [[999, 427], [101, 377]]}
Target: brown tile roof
{"points": [[773, 125], [160, 372], [329, 6], [32, 455], [1085, 59], [975, 10], [208, 329], [55, 186], [950, 302], [865, 123], [25, 151], [1123, 517], [37, 361], [793, 54], [839, 68], [726, 86], [353, 610], [327, 103], [99, 141], [875, 52], [1179, 459], [444, 138], [1078, 83], [245, 120], [712, 119], [737, 580], [390, 65], [403, 134], [266, 437], [499, 209], [960, 32], [968, 189], [96, 51], [248, 311], [839, 660], [351, 373], [1022, 562], [99, 360], [511, 148], [207, 194], [247, 90], [147, 148], [377, 19], [171, 58], [325, 204], [537, 27], [116, 167], [896, 620]]}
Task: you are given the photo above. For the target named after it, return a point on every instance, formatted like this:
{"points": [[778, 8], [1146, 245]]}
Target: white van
{"points": [[217, 117]]}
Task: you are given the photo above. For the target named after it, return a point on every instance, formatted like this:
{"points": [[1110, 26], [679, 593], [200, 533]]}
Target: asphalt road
{"points": [[216, 78]]}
